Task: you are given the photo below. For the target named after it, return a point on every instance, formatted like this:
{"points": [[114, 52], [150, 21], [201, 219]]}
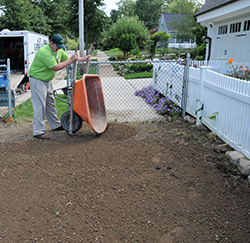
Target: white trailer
{"points": [[20, 47]]}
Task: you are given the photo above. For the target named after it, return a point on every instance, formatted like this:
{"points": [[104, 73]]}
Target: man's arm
{"points": [[84, 59], [72, 59], [64, 64]]}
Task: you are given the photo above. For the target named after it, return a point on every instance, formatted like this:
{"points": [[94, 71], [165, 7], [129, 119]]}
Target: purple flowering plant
{"points": [[162, 104]]}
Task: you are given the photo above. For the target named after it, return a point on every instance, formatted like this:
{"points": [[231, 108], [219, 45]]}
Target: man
{"points": [[48, 60]]}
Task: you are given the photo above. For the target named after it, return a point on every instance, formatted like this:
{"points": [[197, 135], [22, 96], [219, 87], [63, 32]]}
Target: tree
{"points": [[149, 11], [38, 22], [114, 15], [182, 6], [161, 36], [95, 20], [126, 25], [57, 14], [20, 15], [35, 15], [126, 8]]}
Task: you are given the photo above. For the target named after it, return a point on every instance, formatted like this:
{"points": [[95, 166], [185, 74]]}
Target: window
{"points": [[247, 25], [235, 27], [222, 30]]}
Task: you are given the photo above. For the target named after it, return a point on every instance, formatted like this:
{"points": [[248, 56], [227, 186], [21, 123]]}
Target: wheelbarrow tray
{"points": [[89, 102]]}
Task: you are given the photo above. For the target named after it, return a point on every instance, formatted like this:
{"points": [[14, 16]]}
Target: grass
{"points": [[24, 112], [92, 70], [94, 54], [113, 52], [138, 75]]}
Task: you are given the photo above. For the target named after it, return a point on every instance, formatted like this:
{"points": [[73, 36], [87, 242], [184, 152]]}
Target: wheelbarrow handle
{"points": [[87, 67]]}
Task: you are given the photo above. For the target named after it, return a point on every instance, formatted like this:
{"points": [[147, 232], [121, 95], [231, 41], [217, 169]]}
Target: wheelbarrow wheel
{"points": [[77, 121]]}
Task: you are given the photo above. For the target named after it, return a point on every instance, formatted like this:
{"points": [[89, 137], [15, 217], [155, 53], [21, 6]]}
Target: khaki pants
{"points": [[43, 102]]}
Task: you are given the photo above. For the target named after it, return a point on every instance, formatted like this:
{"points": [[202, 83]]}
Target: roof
{"points": [[171, 18], [210, 5]]}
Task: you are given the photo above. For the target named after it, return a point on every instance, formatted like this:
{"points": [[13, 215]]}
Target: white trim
{"points": [[227, 12]]}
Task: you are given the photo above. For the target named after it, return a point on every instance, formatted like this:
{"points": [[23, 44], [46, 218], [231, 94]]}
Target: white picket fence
{"points": [[219, 102], [222, 104]]}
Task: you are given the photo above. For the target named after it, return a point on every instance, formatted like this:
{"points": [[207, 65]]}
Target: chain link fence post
{"points": [[97, 68], [9, 89], [185, 86]]}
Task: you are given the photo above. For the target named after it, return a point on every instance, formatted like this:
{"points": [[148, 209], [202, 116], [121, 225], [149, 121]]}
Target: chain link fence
{"points": [[132, 89], [136, 90], [7, 98]]}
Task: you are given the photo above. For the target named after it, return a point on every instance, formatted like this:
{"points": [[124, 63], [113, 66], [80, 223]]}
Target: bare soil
{"points": [[149, 182]]}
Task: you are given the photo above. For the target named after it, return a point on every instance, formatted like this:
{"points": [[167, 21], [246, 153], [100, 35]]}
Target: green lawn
{"points": [[113, 52], [24, 112], [138, 75]]}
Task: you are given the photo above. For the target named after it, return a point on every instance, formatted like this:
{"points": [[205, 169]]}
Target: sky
{"points": [[111, 4]]}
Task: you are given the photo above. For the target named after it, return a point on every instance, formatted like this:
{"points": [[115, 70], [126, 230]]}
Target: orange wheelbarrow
{"points": [[87, 103]]}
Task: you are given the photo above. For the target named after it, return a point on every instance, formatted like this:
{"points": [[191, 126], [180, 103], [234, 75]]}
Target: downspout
{"points": [[208, 40]]}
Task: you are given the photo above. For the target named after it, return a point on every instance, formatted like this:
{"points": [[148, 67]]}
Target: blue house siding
{"points": [[165, 24]]}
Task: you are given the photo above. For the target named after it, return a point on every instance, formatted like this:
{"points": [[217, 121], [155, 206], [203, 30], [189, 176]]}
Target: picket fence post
{"points": [[200, 99], [222, 62], [185, 88]]}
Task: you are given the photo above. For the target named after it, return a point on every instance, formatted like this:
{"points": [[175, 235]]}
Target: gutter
{"points": [[213, 8]]}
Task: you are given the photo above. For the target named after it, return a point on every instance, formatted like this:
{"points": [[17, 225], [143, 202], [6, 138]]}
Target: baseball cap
{"points": [[58, 40]]}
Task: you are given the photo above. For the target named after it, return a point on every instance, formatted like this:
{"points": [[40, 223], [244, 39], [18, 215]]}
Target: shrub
{"points": [[126, 25], [201, 50], [121, 57], [127, 42], [141, 67], [136, 51], [161, 36], [112, 58], [72, 43]]}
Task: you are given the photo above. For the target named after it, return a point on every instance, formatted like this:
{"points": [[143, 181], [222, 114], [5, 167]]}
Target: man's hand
{"points": [[74, 57], [84, 59], [88, 58]]}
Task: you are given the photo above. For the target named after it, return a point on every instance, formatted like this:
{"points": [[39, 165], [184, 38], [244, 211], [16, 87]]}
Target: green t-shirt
{"points": [[44, 61]]}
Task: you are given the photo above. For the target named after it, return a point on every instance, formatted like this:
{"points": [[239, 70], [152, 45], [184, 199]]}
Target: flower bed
{"points": [[163, 105], [239, 72]]}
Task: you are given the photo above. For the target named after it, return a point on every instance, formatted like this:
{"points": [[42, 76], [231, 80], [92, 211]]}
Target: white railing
{"points": [[181, 45]]}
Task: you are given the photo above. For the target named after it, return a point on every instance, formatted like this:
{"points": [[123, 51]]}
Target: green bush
{"points": [[136, 68], [136, 51], [112, 58], [201, 50], [173, 56], [127, 42], [121, 57], [200, 58], [72, 43], [125, 25], [141, 67]]}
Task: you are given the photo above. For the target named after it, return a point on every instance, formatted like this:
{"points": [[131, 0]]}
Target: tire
{"points": [[77, 121]]}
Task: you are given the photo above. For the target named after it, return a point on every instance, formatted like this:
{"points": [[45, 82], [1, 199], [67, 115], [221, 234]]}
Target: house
{"points": [[166, 24], [228, 24]]}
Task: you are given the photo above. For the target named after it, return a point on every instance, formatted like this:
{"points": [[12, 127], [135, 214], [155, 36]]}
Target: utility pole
{"points": [[81, 27]]}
